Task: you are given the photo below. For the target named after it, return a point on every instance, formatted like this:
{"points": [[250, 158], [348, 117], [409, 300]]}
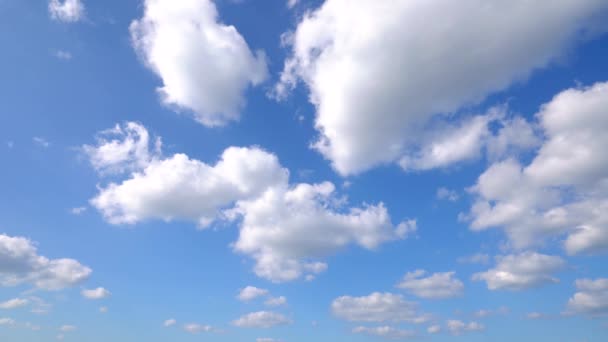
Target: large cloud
{"points": [[564, 189], [286, 228], [378, 73], [20, 263], [205, 65], [521, 271]]}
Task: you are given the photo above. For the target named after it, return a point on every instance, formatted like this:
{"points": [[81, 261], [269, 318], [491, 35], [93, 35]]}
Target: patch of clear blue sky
{"points": [[158, 271]]}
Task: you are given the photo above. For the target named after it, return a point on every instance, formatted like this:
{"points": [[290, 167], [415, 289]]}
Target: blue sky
{"points": [[303, 170]]}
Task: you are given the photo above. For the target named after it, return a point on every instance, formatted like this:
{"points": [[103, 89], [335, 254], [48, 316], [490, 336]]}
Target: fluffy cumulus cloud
{"points": [[123, 148], [261, 319], [68, 11], [205, 65], [250, 293], [286, 228], [456, 327], [564, 189], [20, 263], [352, 56], [98, 293], [376, 307], [385, 332], [591, 299], [434, 286], [521, 271]]}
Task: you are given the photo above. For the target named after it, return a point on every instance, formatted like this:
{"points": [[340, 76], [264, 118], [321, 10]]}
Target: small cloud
{"points": [[78, 210], [14, 304], [276, 301], [7, 321], [67, 328], [195, 328], [447, 194], [169, 323], [41, 142], [103, 309], [98, 293], [62, 55]]}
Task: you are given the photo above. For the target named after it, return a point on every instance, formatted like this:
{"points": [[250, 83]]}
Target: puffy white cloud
{"points": [[261, 319], [456, 327], [276, 301], [434, 286], [352, 57], [195, 328], [98, 293], [124, 148], [169, 323], [285, 226], [250, 293], [385, 332], [205, 65], [591, 298], [564, 189], [20, 263], [521, 271], [287, 229], [182, 188], [377, 307], [14, 303], [68, 11]]}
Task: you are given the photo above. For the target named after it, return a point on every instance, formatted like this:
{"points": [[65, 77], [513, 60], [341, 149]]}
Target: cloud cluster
{"points": [[205, 65], [353, 57], [434, 286], [286, 228], [521, 271], [20, 263], [564, 189]]}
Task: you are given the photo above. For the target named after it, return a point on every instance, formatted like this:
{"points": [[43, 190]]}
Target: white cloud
{"points": [[250, 293], [377, 307], [195, 328], [564, 189], [14, 303], [456, 327], [67, 328], [261, 319], [42, 142], [169, 323], [205, 65], [434, 329], [287, 229], [385, 332], [267, 339], [292, 3], [534, 315], [62, 55], [521, 271], [447, 194], [124, 148], [20, 263], [68, 11], [276, 301], [78, 210], [434, 286], [591, 298], [7, 321], [98, 293], [368, 114]]}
